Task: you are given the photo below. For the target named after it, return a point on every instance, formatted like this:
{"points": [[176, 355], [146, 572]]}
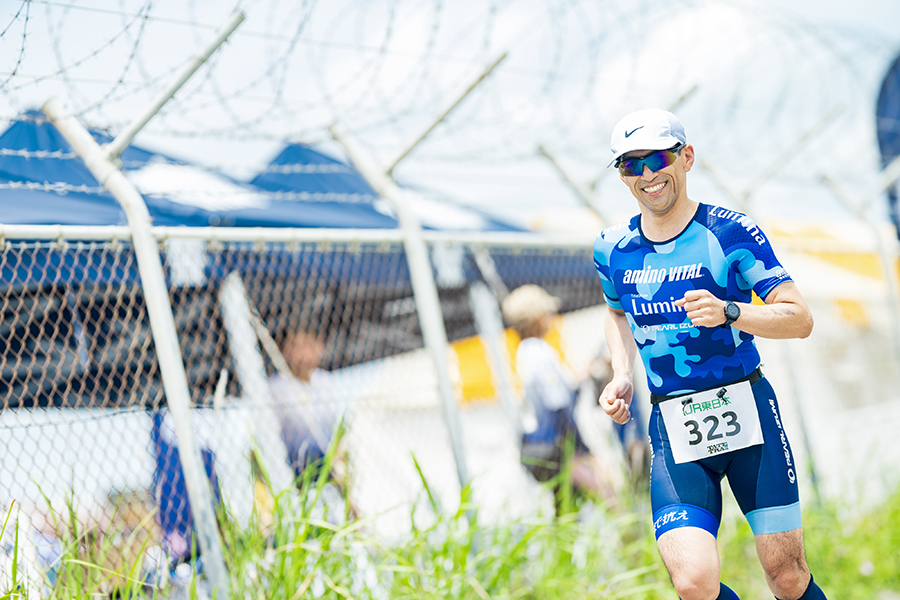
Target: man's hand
{"points": [[784, 314], [703, 309], [616, 399]]}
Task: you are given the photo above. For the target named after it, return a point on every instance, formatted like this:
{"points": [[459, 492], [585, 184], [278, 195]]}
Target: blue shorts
{"points": [[763, 478]]}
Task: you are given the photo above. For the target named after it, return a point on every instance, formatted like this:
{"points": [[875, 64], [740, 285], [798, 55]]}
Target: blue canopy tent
{"points": [[887, 118], [569, 275], [360, 300], [35, 153], [299, 168], [65, 294]]}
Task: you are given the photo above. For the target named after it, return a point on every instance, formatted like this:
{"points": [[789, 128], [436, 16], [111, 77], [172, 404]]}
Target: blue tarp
{"points": [[299, 168], [35, 153], [301, 188], [887, 118]]}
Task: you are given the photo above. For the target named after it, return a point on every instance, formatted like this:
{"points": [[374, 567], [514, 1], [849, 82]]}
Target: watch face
{"points": [[732, 311]]}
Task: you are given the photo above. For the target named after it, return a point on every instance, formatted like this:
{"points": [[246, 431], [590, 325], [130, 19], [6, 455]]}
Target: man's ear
{"points": [[688, 152]]}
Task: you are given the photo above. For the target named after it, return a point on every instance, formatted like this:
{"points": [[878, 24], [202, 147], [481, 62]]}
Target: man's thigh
{"points": [[692, 559]]}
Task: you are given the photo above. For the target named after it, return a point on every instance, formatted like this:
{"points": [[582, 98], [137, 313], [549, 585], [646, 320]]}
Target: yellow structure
{"points": [[475, 382]]}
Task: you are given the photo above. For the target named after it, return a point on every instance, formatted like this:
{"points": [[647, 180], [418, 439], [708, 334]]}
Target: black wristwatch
{"points": [[732, 312]]}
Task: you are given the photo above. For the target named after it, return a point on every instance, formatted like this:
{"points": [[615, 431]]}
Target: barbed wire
{"points": [[386, 70], [141, 20], [281, 169], [15, 17], [63, 70], [39, 154], [61, 187], [58, 187], [27, 6]]}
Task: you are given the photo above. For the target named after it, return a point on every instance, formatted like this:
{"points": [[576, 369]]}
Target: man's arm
{"points": [[784, 315], [615, 399]]}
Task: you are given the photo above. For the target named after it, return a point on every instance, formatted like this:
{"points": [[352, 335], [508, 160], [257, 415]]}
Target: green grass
{"points": [[455, 556], [600, 553], [851, 556]]}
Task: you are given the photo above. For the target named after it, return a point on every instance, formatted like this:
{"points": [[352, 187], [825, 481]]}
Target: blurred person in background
{"points": [[678, 280], [552, 447], [169, 486], [305, 403]]}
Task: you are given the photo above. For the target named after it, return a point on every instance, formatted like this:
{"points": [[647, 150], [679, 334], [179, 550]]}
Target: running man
{"points": [[678, 280]]}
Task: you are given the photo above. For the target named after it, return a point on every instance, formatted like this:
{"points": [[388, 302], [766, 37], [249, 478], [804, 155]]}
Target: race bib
{"points": [[712, 422]]}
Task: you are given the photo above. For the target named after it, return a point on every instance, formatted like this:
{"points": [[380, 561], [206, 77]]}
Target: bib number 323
{"points": [[712, 422]]}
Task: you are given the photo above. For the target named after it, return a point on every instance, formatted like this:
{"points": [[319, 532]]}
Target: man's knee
{"points": [[783, 560], [813, 592], [696, 585], [789, 583]]}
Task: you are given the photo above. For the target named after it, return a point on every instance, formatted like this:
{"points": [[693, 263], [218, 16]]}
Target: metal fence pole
{"points": [[804, 425], [165, 336], [115, 147], [428, 304], [445, 113], [489, 323], [251, 372]]}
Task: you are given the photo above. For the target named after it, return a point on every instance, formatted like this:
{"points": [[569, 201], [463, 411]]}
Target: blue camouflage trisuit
{"points": [[726, 253]]}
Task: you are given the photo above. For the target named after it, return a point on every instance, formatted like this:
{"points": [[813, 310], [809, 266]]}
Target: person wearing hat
{"points": [[550, 435], [678, 279]]}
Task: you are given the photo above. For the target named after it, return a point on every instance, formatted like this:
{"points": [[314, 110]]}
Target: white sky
{"points": [[766, 74]]}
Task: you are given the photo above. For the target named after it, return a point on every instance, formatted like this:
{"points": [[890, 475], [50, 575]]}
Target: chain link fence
{"points": [[90, 444]]}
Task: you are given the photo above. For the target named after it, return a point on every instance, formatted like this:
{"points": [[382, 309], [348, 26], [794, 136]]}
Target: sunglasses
{"points": [[634, 167]]}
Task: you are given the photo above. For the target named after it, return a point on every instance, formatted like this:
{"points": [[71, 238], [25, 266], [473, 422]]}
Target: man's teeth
{"points": [[655, 188]]}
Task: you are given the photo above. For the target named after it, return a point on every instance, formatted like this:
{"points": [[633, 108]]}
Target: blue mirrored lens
{"points": [[656, 161]]}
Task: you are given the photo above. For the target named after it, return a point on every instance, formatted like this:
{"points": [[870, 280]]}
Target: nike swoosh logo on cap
{"points": [[628, 133]]}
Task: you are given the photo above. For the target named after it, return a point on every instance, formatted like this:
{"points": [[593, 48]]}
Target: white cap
{"points": [[527, 303], [650, 129]]}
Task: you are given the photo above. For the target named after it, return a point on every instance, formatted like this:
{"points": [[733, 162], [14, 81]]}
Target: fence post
{"points": [[115, 147], [165, 336], [489, 323], [251, 372], [445, 113], [428, 303]]}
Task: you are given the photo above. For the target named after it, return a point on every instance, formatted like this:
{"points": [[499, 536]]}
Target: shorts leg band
{"points": [[726, 593], [813, 592], [775, 519], [674, 516]]}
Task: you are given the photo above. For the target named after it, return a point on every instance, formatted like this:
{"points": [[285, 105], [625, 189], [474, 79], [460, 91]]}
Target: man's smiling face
{"points": [[658, 191]]}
